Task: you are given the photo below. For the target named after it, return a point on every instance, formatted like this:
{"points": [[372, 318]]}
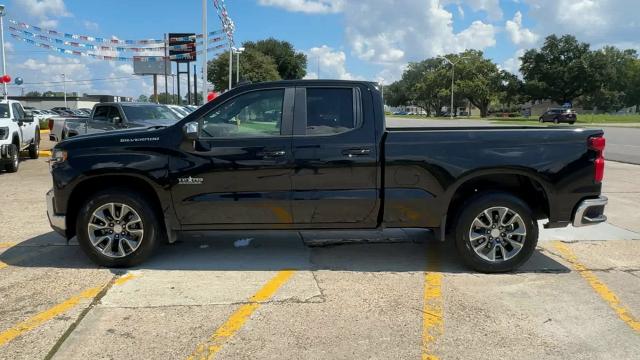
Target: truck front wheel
{"points": [[118, 228], [14, 159], [495, 232]]}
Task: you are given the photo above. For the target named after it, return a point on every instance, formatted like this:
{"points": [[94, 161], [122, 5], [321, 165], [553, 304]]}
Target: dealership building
{"points": [[73, 102]]}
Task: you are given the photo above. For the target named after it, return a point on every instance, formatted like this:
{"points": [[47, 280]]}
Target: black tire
{"points": [[34, 148], [152, 227], [475, 206], [556, 121], [15, 159], [541, 120], [571, 123]]}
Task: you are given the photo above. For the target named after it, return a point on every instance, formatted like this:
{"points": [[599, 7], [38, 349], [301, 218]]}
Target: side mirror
{"points": [[27, 119], [190, 130], [117, 120]]}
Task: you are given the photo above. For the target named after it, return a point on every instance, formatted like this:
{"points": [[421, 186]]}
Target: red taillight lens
{"points": [[598, 144], [599, 173], [50, 124]]}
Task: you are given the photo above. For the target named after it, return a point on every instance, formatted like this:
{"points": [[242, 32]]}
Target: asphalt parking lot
{"points": [[269, 296]]}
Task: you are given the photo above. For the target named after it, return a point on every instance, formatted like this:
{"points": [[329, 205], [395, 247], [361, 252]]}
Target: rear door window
{"points": [[330, 111]]}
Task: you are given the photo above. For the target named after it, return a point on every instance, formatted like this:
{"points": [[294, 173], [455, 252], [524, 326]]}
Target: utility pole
{"points": [[4, 60], [205, 41], [238, 51], [64, 89]]}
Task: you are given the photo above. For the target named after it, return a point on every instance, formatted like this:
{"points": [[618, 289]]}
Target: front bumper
{"points": [[58, 222], [590, 212]]}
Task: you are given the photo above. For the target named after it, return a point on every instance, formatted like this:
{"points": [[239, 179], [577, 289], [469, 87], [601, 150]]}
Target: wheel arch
{"points": [[89, 186], [521, 183]]}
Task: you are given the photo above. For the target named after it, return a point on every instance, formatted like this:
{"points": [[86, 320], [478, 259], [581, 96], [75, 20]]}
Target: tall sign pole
{"points": [[204, 53], [4, 61]]}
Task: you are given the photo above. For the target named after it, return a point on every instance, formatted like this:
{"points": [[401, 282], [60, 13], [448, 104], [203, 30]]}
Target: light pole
{"points": [[230, 65], [64, 89], [453, 76], [238, 51], [4, 61]]}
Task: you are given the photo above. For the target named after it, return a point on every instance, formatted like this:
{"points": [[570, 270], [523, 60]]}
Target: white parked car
{"points": [[18, 132], [178, 110]]}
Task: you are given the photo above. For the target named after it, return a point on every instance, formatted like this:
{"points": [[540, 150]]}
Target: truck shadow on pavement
{"points": [[269, 252]]}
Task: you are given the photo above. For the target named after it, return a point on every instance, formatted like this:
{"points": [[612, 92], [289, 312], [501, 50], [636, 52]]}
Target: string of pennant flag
{"points": [[185, 56], [92, 39], [227, 24], [104, 47]]}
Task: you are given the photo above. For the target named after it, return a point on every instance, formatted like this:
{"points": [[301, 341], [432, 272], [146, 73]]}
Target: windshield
{"points": [[4, 111], [148, 112]]}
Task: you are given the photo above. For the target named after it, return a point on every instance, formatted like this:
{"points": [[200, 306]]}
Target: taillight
{"points": [[50, 124], [598, 144]]}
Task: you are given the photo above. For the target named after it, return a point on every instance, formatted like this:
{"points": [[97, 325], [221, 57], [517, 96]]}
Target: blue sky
{"points": [[370, 40]]}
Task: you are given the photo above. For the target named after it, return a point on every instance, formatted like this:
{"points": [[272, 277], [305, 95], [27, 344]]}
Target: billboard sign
{"points": [[184, 45], [141, 67]]}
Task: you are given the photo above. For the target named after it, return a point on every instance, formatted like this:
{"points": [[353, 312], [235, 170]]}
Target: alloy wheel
{"points": [[497, 234], [115, 230]]}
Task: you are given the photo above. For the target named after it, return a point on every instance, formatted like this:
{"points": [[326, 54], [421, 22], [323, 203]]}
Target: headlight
{"points": [[58, 156], [4, 133]]}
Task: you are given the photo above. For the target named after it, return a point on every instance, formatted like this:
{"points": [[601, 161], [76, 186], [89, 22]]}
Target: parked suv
{"points": [[559, 116], [18, 132]]}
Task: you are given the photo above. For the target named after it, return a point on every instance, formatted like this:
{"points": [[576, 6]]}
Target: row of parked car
{"points": [[115, 116]]}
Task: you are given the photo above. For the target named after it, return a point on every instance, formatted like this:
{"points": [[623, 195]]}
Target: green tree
{"points": [[614, 79], [477, 79], [511, 90], [254, 66], [164, 98], [33, 94], [291, 64], [143, 98], [562, 70]]}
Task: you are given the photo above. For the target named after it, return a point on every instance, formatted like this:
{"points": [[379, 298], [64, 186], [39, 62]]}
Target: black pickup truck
{"points": [[312, 155]]}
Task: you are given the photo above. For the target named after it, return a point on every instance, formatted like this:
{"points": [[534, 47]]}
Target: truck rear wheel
{"points": [[496, 232], [118, 228], [14, 162]]}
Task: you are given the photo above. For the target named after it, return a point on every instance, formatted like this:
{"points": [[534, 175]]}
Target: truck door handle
{"points": [[356, 152], [274, 154]]}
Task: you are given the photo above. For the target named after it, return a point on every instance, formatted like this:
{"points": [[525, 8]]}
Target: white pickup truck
{"points": [[18, 132]]}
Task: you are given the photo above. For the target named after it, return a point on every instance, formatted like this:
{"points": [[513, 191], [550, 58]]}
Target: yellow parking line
{"points": [[235, 322], [7, 244], [44, 131], [45, 153], [54, 311], [433, 308], [599, 287]]}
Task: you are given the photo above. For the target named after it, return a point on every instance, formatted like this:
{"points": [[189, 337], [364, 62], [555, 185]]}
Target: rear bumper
{"points": [[58, 222], [590, 212]]}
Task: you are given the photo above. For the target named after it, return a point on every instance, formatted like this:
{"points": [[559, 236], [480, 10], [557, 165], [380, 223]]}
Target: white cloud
{"points": [[490, 7], [306, 6], [390, 34], [597, 22], [46, 11], [512, 64], [332, 64], [518, 34], [91, 25]]}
